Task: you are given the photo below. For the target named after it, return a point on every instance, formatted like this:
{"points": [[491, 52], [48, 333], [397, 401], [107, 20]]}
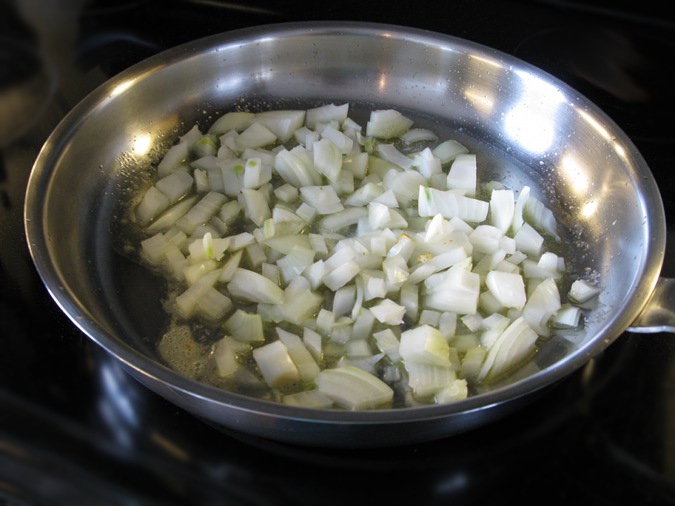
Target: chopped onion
{"points": [[417, 135], [462, 174], [275, 363], [353, 388], [582, 291], [424, 345], [344, 265], [387, 124]]}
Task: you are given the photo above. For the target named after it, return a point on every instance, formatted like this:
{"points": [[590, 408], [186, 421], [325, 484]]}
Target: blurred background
{"points": [[75, 429]]}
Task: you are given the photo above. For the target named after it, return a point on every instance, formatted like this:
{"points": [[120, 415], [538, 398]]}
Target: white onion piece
{"points": [[353, 388], [387, 124], [276, 364], [418, 135], [582, 291]]}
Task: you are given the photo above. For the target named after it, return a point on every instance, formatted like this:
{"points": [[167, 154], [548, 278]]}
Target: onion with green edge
{"points": [[333, 265]]}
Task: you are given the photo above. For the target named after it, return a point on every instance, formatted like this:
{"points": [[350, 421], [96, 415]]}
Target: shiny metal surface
{"points": [[659, 314], [526, 126]]}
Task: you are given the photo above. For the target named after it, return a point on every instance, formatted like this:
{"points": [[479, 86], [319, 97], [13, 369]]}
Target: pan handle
{"points": [[659, 313]]}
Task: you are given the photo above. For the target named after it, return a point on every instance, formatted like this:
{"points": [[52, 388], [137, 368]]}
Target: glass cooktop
{"points": [[76, 429]]}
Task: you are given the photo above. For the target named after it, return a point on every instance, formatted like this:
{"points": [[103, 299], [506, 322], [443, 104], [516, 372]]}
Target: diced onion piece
{"points": [[327, 159], [322, 198], [462, 174], [448, 204], [357, 164], [232, 174], [342, 142], [340, 220], [175, 185], [582, 291], [355, 389], [341, 275], [255, 173], [387, 124], [283, 123], [388, 344], [255, 206], [391, 154], [225, 356], [253, 287], [202, 211], [405, 184], [427, 379], [344, 300], [154, 247], [214, 247], [364, 194], [230, 266], [518, 209], [246, 327], [540, 217], [502, 209], [486, 239], [300, 302], [296, 261], [528, 240], [508, 288], [313, 343], [153, 203], [234, 120], [456, 290], [567, 317], [456, 390], [425, 345], [176, 261], [473, 322], [515, 345], [417, 135], [427, 164], [387, 311], [275, 364], [286, 193], [255, 136], [449, 258], [168, 218], [325, 114], [448, 150], [308, 399], [308, 369], [187, 301], [214, 305], [205, 146], [306, 137], [542, 304], [173, 157], [472, 361], [549, 265], [296, 167]]}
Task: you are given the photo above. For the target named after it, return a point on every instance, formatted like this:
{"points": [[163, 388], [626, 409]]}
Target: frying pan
{"points": [[527, 127]]}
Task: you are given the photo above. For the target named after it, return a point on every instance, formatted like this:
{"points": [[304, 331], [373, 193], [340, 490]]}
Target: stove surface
{"points": [[76, 429]]}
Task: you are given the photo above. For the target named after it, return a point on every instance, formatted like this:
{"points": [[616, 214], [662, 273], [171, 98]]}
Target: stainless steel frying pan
{"points": [[527, 127]]}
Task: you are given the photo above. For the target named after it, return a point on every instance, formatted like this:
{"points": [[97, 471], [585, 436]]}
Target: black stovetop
{"points": [[75, 429]]}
